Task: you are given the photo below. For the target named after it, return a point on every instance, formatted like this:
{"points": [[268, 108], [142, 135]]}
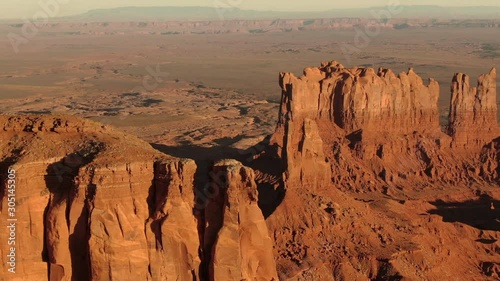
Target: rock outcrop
{"points": [[358, 182], [173, 227], [490, 160], [473, 111], [237, 232], [361, 98], [93, 203], [347, 131], [366, 129]]}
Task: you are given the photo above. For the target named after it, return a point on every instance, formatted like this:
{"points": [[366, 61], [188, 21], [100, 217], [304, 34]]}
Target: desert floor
{"points": [[204, 95]]}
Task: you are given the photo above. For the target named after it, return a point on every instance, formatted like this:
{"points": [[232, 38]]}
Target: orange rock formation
{"points": [[357, 183], [96, 204], [343, 132]]}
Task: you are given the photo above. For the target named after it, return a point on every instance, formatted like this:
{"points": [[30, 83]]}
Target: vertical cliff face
{"points": [[44, 178], [96, 204], [361, 98], [366, 128], [473, 111], [173, 229], [348, 185], [31, 202], [237, 236], [344, 132], [301, 148]]}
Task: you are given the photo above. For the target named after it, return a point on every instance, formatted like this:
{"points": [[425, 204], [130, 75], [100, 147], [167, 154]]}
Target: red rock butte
{"points": [[386, 126], [358, 182]]}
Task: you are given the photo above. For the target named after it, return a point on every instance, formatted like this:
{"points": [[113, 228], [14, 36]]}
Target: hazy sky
{"points": [[27, 8]]}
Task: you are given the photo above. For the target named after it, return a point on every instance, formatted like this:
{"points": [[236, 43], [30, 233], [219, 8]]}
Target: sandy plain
{"points": [[213, 92]]}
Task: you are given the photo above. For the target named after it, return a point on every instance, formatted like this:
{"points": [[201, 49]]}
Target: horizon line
{"points": [[254, 10]]}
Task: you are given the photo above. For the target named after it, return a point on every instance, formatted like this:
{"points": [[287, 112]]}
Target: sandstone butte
{"points": [[359, 182]]}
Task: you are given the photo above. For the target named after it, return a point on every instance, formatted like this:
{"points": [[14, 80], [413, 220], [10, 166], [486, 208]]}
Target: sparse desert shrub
{"points": [[308, 22]]}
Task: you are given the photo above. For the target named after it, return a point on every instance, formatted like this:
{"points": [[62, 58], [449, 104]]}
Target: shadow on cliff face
{"points": [[222, 150], [270, 187], [268, 168], [483, 213], [269, 177], [199, 153], [490, 156], [60, 182]]}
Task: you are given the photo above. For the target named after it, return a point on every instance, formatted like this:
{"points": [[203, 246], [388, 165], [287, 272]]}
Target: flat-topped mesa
{"points": [[473, 111], [362, 98], [335, 120], [94, 203], [378, 111]]}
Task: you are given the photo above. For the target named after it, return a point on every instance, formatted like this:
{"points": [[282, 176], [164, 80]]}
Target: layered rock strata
{"points": [[95, 204], [375, 128], [473, 111], [348, 131], [242, 248], [350, 187]]}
